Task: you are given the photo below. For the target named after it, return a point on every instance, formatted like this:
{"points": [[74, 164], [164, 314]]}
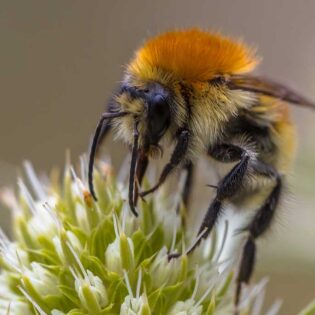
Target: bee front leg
{"points": [[189, 168], [186, 192], [102, 130], [177, 157], [142, 165]]}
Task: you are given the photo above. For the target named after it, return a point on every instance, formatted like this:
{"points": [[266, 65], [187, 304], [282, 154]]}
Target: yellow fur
{"points": [[276, 114], [192, 55], [212, 107], [284, 134]]}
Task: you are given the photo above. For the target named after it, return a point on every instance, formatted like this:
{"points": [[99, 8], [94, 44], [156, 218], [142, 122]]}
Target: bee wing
{"points": [[267, 87]]}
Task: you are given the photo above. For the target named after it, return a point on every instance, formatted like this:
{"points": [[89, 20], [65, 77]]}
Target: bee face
{"points": [[151, 105], [157, 112]]}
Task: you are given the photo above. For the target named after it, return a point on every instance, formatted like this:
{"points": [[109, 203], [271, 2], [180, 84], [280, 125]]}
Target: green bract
{"points": [[74, 256]]}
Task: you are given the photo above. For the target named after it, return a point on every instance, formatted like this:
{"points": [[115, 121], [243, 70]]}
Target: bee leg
{"points": [[186, 192], [103, 132], [226, 188], [106, 127], [132, 172], [102, 129], [177, 157], [142, 165], [189, 167], [258, 226]]}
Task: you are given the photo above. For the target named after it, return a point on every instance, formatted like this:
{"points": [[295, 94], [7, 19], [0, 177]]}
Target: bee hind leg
{"points": [[227, 188]]}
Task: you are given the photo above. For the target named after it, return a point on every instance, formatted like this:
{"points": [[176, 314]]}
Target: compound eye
{"points": [[158, 116]]}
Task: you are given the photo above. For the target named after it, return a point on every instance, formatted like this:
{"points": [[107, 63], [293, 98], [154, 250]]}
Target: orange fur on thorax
{"points": [[193, 55]]}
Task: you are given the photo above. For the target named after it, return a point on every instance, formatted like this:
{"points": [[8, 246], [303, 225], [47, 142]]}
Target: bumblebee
{"points": [[196, 90]]}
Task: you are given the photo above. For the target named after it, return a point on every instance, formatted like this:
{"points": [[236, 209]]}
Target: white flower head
{"points": [[72, 254]]}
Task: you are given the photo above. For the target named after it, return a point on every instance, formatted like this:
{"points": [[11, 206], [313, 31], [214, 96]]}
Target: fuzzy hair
{"points": [[199, 55]]}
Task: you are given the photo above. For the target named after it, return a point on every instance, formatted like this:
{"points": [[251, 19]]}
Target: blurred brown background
{"points": [[59, 61]]}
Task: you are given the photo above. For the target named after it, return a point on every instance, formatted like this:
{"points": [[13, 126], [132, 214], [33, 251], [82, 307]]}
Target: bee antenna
{"points": [[134, 157], [94, 146]]}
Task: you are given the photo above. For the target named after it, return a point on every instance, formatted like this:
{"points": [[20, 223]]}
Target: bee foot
{"points": [[142, 197], [142, 194]]}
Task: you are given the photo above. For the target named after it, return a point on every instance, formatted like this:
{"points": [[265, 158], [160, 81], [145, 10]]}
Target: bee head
{"points": [[149, 106]]}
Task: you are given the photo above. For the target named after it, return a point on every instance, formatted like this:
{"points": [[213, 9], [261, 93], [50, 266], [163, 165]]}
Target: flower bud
{"points": [[163, 271], [15, 307], [137, 306], [91, 292], [57, 312], [42, 279], [185, 308], [119, 255]]}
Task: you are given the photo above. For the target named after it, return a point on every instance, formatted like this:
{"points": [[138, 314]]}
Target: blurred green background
{"points": [[60, 60]]}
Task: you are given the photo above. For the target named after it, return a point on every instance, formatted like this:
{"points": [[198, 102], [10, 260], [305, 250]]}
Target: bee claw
{"points": [[133, 210], [141, 194], [146, 192]]}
